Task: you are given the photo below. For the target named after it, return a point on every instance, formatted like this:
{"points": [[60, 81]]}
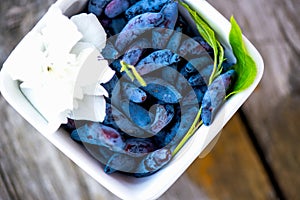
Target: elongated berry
{"points": [[135, 51], [144, 6], [153, 162], [133, 93], [139, 146], [164, 114], [98, 134], [202, 78], [160, 36], [190, 47], [162, 90], [156, 60], [116, 7], [174, 41], [214, 97], [197, 64], [114, 117], [137, 26], [138, 115], [96, 6], [120, 162]]}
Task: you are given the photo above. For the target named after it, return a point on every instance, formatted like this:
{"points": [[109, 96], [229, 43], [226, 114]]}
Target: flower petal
{"points": [[25, 64], [47, 104], [96, 90], [90, 108], [92, 70], [92, 30], [60, 33], [106, 72]]}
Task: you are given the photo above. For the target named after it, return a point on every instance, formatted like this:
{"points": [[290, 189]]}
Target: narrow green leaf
{"points": [[137, 76], [245, 66], [196, 124], [209, 36], [133, 74], [127, 71]]}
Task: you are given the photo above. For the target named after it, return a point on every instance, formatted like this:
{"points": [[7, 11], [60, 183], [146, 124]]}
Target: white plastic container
{"points": [[123, 186]]}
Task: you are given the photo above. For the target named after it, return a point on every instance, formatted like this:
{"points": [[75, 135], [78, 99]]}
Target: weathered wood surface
{"points": [[31, 168], [232, 170], [273, 110]]}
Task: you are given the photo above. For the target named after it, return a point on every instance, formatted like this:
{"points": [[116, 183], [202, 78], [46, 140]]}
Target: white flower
{"points": [[59, 69]]}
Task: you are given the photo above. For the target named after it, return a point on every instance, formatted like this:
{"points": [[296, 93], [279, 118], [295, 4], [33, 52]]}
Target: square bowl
{"points": [[200, 143]]}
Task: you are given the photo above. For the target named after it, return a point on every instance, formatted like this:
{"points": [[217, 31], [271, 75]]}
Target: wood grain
{"points": [[232, 170], [17, 18], [273, 110]]}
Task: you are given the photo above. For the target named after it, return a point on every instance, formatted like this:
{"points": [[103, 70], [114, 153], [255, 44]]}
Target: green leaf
{"points": [[245, 66], [209, 36]]}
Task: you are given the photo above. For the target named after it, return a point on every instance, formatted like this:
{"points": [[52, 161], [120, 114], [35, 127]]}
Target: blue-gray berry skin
{"points": [[109, 51], [182, 83], [192, 98], [116, 65], [133, 54], [120, 162], [170, 11], [116, 25], [153, 162], [139, 146], [202, 78], [137, 114], [187, 118], [110, 85], [170, 73], [156, 60], [191, 47], [166, 135], [162, 90], [101, 153], [203, 43], [215, 95], [96, 6], [197, 64], [115, 118], [116, 7], [98, 134], [133, 93], [174, 41], [161, 35], [136, 27], [144, 6], [163, 116]]}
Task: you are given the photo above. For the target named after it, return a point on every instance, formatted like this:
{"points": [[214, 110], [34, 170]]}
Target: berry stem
{"points": [[133, 74], [196, 124]]}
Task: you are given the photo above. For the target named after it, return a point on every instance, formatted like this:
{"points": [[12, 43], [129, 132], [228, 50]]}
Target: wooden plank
{"points": [[17, 18], [273, 110], [232, 169]]}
